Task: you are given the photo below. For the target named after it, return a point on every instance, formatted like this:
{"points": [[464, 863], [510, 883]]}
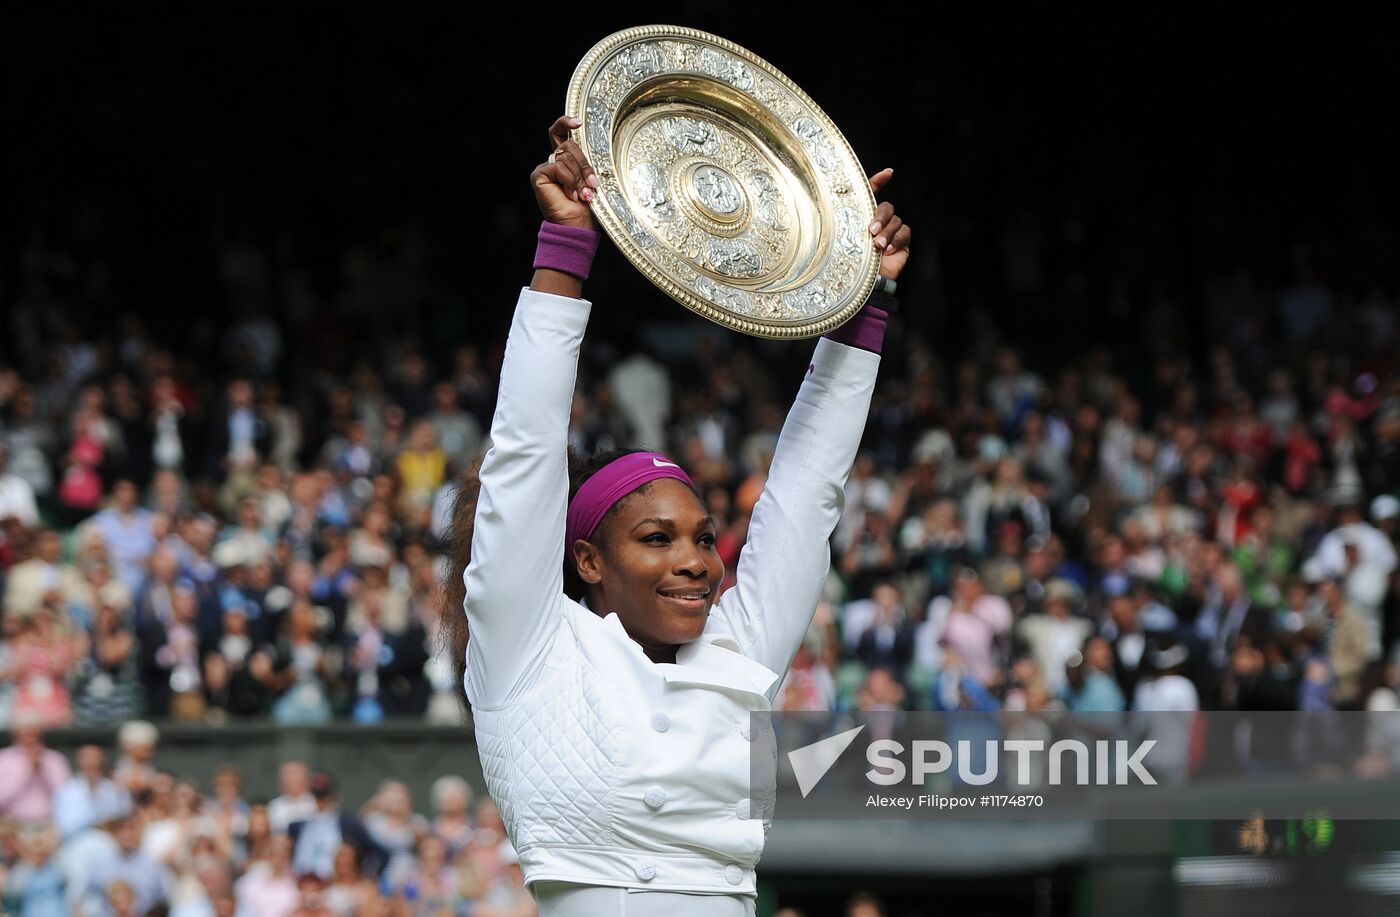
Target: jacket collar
{"points": [[714, 660]]}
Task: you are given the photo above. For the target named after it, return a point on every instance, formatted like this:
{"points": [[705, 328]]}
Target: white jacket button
{"points": [[646, 871], [743, 808], [655, 797], [660, 722], [733, 874]]}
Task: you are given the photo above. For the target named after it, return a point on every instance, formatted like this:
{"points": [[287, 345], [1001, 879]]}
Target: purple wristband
{"points": [[569, 249], [866, 329]]}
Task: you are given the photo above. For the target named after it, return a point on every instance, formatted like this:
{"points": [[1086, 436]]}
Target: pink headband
{"points": [[609, 484]]}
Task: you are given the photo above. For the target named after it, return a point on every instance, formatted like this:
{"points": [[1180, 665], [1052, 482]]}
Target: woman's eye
{"points": [[657, 538], [707, 540]]}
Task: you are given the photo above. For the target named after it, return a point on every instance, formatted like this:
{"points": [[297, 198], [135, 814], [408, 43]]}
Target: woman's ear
{"points": [[589, 559]]}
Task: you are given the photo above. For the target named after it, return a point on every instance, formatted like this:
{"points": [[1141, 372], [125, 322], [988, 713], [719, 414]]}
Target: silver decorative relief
{"points": [[815, 139], [727, 297], [850, 234], [599, 129], [649, 190], [717, 189], [723, 67], [692, 137], [768, 201], [734, 258], [811, 299], [639, 62], [635, 229]]}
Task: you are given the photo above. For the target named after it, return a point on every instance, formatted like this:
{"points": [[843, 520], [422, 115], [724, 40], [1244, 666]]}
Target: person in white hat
{"points": [[1165, 705], [1364, 557]]}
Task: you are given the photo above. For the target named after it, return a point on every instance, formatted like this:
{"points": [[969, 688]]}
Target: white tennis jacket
{"points": [[610, 769]]}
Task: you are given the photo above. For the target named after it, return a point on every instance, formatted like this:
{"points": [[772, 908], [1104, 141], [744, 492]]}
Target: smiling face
{"points": [[653, 561]]}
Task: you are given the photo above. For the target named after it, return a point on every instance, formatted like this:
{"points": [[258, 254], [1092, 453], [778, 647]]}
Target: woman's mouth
{"points": [[692, 600]]}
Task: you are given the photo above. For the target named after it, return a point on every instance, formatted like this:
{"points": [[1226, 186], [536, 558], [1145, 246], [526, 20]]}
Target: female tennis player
{"points": [[611, 685]]}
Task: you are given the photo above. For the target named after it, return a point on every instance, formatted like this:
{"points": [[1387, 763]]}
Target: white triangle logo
{"points": [[811, 762]]}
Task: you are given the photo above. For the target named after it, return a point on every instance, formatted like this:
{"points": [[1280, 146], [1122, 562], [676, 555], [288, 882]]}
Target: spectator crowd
{"points": [[1104, 536], [1021, 532], [130, 840]]}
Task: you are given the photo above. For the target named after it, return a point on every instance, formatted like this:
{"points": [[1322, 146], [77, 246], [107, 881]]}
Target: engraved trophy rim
{"points": [[611, 182]]}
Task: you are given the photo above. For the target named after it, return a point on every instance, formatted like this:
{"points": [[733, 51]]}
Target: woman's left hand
{"points": [[890, 232]]}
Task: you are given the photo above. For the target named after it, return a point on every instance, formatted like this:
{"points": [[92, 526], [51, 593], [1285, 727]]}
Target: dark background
{"points": [[1132, 161]]}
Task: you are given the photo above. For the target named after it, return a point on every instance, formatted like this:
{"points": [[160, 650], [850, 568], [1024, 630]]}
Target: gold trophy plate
{"points": [[723, 183]]}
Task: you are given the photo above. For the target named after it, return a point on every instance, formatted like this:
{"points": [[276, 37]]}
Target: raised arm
{"points": [[785, 561], [514, 583]]}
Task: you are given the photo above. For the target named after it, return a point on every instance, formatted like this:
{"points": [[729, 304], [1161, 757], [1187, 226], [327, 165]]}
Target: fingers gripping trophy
{"points": [[611, 684]]}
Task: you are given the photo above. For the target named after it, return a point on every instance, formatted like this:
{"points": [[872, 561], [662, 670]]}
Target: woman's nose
{"points": [[692, 563]]}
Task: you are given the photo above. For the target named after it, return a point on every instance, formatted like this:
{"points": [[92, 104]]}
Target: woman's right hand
{"points": [[564, 188]]}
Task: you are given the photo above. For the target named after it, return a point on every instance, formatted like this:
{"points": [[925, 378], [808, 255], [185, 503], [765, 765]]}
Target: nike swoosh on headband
{"points": [[660, 464]]}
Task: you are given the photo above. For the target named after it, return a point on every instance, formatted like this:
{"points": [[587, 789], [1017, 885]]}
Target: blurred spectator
{"points": [[1057, 634], [41, 653], [34, 887], [393, 827], [348, 891], [319, 837], [505, 895], [227, 807], [295, 802], [126, 864], [311, 902], [137, 741], [459, 434], [435, 882], [1228, 614], [1090, 686], [170, 659], [881, 692], [107, 689], [293, 669], [29, 439], [888, 641], [809, 684], [126, 532], [269, 888], [972, 623], [89, 797], [30, 774], [452, 822], [871, 555], [422, 466], [16, 494], [1165, 703], [1365, 557], [1343, 638], [240, 436], [866, 492]]}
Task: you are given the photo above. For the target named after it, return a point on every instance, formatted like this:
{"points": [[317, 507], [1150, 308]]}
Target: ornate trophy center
{"points": [[715, 192]]}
